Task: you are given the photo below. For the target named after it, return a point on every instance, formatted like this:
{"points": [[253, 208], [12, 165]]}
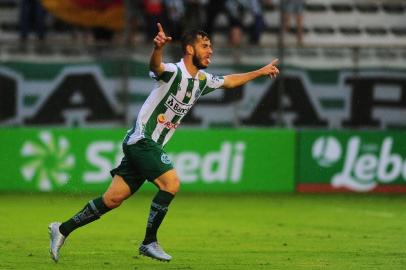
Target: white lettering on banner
{"points": [[187, 164], [238, 162], [219, 160], [103, 164], [363, 172], [215, 166]]}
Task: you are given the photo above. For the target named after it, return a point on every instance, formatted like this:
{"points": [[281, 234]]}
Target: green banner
{"points": [[351, 161], [106, 93], [77, 160]]}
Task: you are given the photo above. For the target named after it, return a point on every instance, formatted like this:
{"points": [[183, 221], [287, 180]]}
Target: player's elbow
{"points": [[154, 69], [157, 70]]}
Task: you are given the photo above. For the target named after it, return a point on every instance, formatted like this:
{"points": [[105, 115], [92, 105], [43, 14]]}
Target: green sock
{"points": [[159, 207], [93, 210]]}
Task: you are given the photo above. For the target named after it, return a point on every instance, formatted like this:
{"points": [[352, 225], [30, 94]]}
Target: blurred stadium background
{"points": [[74, 73]]}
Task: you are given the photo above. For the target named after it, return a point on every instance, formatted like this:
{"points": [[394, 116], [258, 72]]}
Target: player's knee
{"points": [[113, 201], [171, 186]]}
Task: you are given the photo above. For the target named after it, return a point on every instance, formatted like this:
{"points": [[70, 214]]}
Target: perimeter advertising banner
{"points": [[334, 161], [77, 160], [89, 93]]}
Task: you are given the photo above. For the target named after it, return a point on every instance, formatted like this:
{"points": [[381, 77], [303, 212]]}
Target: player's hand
{"points": [[161, 39], [271, 69]]}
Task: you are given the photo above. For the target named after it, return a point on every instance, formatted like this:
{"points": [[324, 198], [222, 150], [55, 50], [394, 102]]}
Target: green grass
{"points": [[257, 231]]}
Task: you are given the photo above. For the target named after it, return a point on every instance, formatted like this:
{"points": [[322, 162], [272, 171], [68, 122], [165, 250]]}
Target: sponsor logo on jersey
{"points": [[216, 79], [179, 108], [170, 125], [161, 118]]}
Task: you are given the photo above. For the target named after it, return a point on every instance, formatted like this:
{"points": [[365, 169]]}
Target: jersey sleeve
{"points": [[169, 70], [213, 82]]}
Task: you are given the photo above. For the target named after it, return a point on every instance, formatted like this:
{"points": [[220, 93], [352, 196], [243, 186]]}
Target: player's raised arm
{"points": [[155, 63], [235, 80]]}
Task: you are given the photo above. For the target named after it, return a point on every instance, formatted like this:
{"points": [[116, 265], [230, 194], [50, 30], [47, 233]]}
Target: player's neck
{"points": [[190, 67]]}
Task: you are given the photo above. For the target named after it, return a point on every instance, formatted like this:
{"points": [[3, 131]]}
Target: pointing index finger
{"points": [[275, 61], [160, 29]]}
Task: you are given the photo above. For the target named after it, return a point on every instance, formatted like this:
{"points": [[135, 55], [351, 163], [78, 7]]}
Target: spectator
{"points": [[195, 14], [154, 12], [236, 10], [293, 8], [32, 17], [214, 8], [175, 11], [132, 13]]}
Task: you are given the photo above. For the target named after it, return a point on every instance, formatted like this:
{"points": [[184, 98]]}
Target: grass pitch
{"points": [[217, 231]]}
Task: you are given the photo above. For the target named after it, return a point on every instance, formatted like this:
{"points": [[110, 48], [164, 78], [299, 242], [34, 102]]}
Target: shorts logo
{"points": [[179, 108], [165, 159]]}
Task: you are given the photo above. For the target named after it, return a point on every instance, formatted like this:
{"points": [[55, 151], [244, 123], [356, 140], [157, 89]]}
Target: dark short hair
{"points": [[190, 37]]}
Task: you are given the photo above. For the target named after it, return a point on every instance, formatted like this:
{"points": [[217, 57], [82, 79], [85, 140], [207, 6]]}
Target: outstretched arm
{"points": [[235, 80], [155, 62]]}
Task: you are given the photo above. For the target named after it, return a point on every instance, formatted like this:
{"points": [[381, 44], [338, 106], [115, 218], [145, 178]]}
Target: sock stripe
{"points": [[159, 207], [94, 208]]}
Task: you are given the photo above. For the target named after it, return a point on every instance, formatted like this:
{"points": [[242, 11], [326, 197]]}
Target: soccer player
{"points": [[178, 86]]}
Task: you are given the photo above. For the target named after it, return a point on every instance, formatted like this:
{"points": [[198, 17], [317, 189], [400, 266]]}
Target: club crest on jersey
{"points": [[165, 159], [179, 108], [178, 88]]}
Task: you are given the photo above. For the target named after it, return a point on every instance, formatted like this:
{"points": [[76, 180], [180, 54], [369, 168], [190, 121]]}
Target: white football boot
{"points": [[153, 250], [57, 240]]}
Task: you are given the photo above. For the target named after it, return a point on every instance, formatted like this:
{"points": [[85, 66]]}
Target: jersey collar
{"points": [[182, 66]]}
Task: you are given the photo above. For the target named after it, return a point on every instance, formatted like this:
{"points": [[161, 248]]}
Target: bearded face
{"points": [[198, 62], [202, 52]]}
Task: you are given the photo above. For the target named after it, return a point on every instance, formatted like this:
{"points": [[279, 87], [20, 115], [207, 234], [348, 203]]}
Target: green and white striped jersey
{"points": [[173, 96]]}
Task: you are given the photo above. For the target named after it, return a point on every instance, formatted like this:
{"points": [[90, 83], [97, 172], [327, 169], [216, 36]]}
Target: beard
{"points": [[196, 61]]}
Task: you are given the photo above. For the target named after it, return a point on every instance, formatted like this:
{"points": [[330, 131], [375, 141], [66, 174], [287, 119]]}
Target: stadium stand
{"points": [[9, 19], [329, 23], [341, 23]]}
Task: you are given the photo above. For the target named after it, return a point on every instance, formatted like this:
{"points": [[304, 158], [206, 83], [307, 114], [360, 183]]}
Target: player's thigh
{"points": [[129, 171], [149, 158], [168, 181]]}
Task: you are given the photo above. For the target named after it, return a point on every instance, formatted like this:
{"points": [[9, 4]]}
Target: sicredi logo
{"points": [[48, 161], [364, 165], [225, 164], [176, 106]]}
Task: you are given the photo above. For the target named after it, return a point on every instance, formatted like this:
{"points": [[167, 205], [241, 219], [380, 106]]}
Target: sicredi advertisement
{"points": [[78, 160]]}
